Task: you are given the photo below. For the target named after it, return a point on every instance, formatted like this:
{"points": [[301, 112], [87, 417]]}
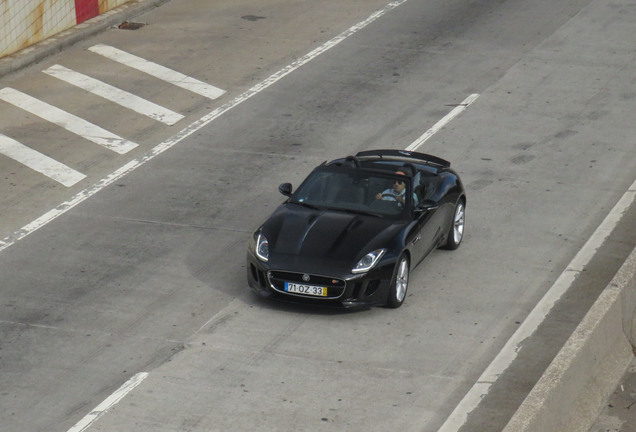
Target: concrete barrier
{"points": [[580, 379], [627, 280]]}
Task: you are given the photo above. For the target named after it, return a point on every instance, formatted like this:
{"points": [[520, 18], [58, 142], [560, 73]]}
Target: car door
{"points": [[427, 217], [427, 230]]}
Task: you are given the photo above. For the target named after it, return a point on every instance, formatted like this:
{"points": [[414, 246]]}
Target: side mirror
{"points": [[285, 189]]}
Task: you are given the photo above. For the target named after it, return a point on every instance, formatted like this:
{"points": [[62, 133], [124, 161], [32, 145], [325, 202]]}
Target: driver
{"points": [[396, 193]]}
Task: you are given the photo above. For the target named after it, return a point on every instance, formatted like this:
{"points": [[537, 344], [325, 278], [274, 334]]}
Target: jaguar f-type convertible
{"points": [[352, 231]]}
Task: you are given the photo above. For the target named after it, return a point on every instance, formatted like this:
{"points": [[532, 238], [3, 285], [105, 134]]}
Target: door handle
{"points": [[416, 239]]}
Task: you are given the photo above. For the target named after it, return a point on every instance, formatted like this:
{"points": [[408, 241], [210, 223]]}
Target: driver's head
{"points": [[398, 185]]}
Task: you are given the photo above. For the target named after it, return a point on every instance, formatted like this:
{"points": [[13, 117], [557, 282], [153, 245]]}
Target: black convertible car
{"points": [[354, 228]]}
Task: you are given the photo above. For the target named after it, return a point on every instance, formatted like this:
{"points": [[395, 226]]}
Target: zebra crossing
{"points": [[113, 94], [161, 72], [39, 162], [66, 120], [58, 171]]}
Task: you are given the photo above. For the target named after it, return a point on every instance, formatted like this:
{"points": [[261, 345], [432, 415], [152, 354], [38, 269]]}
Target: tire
{"points": [[456, 229], [399, 283]]}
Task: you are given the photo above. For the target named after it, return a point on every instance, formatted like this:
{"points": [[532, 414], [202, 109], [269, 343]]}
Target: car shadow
{"points": [[280, 305]]}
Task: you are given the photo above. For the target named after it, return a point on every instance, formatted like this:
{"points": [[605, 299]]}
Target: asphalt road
{"points": [[139, 270]]}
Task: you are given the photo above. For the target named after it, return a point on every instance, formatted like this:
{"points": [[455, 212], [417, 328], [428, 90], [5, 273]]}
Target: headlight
{"points": [[368, 261], [262, 247]]}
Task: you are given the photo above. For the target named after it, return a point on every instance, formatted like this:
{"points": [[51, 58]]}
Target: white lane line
{"points": [[158, 71], [509, 352], [114, 94], [67, 121], [39, 162], [443, 122], [109, 402], [191, 129]]}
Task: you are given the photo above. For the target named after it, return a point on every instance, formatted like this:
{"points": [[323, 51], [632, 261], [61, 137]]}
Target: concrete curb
{"points": [[62, 40], [585, 372]]}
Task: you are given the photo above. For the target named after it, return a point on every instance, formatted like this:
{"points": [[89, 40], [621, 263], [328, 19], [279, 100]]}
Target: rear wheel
{"points": [[399, 283], [456, 230]]}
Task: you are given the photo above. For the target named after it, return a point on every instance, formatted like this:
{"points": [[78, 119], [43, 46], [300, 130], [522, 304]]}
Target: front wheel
{"points": [[456, 230], [399, 283]]}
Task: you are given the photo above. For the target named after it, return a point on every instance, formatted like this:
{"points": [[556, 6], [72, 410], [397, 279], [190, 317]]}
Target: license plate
{"points": [[306, 289]]}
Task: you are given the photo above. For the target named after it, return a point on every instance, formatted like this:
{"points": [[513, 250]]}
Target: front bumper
{"points": [[348, 290]]}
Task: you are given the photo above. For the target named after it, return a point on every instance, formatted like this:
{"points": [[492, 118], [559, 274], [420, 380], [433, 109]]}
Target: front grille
{"points": [[335, 287]]}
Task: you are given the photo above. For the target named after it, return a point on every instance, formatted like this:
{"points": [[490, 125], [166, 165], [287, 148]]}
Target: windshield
{"points": [[356, 190]]}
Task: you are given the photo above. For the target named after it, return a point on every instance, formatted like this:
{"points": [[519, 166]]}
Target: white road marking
{"points": [[443, 122], [67, 120], [114, 94], [158, 71], [39, 162], [109, 402], [509, 352]]}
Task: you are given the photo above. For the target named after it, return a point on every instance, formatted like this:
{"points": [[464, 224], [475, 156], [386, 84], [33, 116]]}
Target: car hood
{"points": [[303, 233]]}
